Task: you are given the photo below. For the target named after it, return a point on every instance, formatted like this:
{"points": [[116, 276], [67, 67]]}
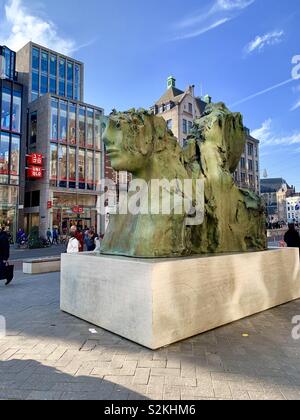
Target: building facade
{"points": [[275, 193], [180, 108], [293, 209], [65, 135], [11, 94]]}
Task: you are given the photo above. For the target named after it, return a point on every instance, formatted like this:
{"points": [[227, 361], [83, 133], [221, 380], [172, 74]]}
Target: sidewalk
{"points": [[48, 354]]}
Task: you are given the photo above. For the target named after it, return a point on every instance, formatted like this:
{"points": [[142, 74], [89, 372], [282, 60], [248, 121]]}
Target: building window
{"points": [[190, 126], [63, 166], [4, 158], [90, 127], [44, 63], [62, 69], [82, 126], [63, 121], [52, 86], [98, 130], [243, 177], [16, 114], [62, 88], [53, 66], [170, 124], [251, 179], [35, 59], [98, 165], [190, 108], [77, 82], [70, 76], [257, 166], [72, 167], [35, 85], [250, 149], [184, 126], [81, 169], [5, 109], [243, 163], [90, 170], [33, 128], [44, 84], [54, 120], [53, 164], [72, 124], [35, 198], [250, 165]]}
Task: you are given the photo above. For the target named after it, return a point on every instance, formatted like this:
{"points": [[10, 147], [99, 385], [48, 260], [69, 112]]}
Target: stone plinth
{"points": [[159, 302]]}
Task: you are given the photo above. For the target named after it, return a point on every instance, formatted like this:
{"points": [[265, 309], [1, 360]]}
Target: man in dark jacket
{"points": [[292, 238], [4, 253]]}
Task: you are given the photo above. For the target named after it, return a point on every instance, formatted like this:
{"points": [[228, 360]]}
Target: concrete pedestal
{"points": [[159, 302]]}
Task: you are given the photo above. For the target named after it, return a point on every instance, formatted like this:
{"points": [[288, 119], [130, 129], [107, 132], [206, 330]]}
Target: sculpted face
{"points": [[124, 144]]}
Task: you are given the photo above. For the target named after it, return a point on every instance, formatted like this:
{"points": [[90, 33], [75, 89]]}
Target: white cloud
{"points": [[260, 42], [221, 12], [269, 137], [21, 26], [296, 106]]}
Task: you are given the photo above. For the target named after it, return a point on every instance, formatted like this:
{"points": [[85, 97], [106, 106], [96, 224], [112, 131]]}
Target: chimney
{"points": [[191, 89], [171, 82]]}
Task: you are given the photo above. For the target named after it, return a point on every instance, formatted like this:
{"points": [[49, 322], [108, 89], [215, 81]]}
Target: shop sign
{"points": [[78, 210], [35, 172], [35, 159]]}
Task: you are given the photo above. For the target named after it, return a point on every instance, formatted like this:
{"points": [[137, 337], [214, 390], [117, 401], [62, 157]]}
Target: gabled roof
{"points": [[272, 185], [172, 94]]}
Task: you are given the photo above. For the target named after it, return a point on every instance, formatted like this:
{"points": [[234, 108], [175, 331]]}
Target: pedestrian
{"points": [[49, 236], [292, 238], [78, 235], [55, 236], [73, 243], [98, 241], [4, 255], [90, 241]]}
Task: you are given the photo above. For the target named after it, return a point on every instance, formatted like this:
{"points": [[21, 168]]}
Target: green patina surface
{"points": [[234, 219]]}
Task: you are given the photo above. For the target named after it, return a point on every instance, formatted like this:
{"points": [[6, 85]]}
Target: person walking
{"points": [[49, 236], [79, 237], [292, 238], [4, 256], [90, 242], [55, 236], [73, 243]]}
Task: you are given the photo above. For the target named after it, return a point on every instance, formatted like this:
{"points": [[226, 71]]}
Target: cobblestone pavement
{"points": [[47, 354]]}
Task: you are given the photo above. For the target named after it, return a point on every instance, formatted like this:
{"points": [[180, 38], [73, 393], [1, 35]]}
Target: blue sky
{"points": [[234, 49]]}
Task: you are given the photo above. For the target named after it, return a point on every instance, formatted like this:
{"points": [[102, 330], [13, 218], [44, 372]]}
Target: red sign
{"points": [[49, 205], [35, 159], [35, 172], [78, 210]]}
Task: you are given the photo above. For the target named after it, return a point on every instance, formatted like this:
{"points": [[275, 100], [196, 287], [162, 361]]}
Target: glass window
{"points": [[90, 170], [184, 126], [243, 163], [34, 96], [33, 127], [77, 82], [53, 163], [72, 167], [62, 68], [15, 160], [5, 110], [170, 124], [63, 121], [35, 58], [63, 166], [190, 126], [250, 149], [98, 130], [4, 158], [52, 85], [35, 82], [44, 84], [62, 88], [53, 66], [250, 165], [72, 124], [70, 72], [81, 169], [191, 108], [70, 90], [16, 114], [82, 126], [90, 127], [54, 119], [98, 165], [44, 62]]}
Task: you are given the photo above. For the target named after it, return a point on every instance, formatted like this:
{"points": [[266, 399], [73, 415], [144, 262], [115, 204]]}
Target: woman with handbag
{"points": [[6, 271]]}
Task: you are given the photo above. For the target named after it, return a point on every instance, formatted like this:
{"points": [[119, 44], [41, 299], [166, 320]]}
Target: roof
{"points": [[272, 185], [172, 94]]}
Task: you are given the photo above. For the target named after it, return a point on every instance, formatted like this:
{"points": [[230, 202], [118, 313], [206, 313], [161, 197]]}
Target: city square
{"points": [[149, 235]]}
